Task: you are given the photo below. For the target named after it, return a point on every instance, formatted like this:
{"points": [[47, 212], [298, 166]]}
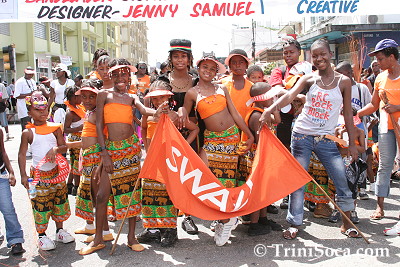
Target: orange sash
{"points": [[49, 127], [79, 109]]}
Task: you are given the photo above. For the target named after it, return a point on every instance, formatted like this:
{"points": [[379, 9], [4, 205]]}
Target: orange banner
{"points": [[195, 190]]}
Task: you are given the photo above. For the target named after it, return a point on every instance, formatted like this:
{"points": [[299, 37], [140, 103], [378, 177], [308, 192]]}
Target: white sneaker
{"points": [[223, 231], [46, 243], [1, 236], [395, 230], [64, 237], [212, 225]]}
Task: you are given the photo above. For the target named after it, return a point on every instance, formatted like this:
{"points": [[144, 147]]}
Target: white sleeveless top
{"points": [[41, 144], [321, 111]]}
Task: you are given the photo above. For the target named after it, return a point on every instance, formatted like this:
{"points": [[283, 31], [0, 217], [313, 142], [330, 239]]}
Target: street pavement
{"points": [[319, 243]]}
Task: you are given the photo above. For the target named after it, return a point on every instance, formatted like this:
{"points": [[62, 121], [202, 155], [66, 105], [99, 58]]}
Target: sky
{"points": [[212, 34]]}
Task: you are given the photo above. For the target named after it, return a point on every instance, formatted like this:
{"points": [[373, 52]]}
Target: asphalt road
{"points": [[319, 243]]}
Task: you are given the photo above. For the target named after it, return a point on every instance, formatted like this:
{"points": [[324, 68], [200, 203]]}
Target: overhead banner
{"points": [[128, 10]]}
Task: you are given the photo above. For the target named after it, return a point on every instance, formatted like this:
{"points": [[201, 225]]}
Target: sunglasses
{"points": [[142, 67]]}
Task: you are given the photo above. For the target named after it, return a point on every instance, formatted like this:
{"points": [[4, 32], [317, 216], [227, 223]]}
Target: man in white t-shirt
{"points": [[58, 86], [24, 87]]}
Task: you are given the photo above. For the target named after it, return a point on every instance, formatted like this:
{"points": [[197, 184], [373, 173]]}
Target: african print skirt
{"points": [[74, 152], [125, 155], [246, 164], [220, 148], [51, 200], [318, 172], [90, 161], [158, 211]]}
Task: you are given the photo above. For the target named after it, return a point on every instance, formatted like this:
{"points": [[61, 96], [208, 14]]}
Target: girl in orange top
{"points": [[90, 160], [120, 152], [221, 137], [73, 127], [159, 217]]}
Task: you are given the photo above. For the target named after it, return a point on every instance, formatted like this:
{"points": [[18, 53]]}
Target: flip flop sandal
{"points": [[88, 250], [348, 231], [292, 231], [136, 247], [107, 237], [377, 216]]}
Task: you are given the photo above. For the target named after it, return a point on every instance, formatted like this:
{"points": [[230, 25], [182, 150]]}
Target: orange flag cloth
{"points": [[195, 190]]}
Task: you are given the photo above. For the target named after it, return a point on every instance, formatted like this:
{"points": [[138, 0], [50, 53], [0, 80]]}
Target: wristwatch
{"points": [[102, 148]]}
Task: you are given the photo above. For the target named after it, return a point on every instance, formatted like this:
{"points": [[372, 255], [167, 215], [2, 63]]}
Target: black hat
{"points": [[181, 45], [237, 52], [163, 65]]}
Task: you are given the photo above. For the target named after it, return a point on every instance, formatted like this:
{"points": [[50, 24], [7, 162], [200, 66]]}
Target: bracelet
{"points": [[102, 148]]}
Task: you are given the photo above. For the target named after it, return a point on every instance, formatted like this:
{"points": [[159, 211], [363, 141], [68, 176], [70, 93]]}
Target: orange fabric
{"points": [[239, 97], [151, 127], [118, 113], [144, 83], [392, 89], [89, 129], [79, 109], [291, 80], [244, 137], [94, 75], [195, 190], [49, 127], [208, 109]]}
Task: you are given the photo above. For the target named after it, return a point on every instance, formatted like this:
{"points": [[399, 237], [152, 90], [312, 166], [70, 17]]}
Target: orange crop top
{"points": [[89, 129], [118, 113], [210, 105], [151, 128]]}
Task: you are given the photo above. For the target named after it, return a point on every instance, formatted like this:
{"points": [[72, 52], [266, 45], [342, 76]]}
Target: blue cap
{"points": [[385, 43]]}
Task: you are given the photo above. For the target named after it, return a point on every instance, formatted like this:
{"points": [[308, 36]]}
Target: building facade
{"points": [[44, 44], [134, 41]]}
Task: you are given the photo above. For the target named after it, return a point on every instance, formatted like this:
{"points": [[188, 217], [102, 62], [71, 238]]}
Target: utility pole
{"points": [[253, 41]]}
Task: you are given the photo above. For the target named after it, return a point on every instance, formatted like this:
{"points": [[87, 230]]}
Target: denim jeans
{"points": [[328, 154], [14, 233], [387, 155]]}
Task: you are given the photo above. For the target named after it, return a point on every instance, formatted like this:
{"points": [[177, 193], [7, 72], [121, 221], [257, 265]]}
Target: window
{"points": [[65, 42], [40, 29], [113, 32], [91, 23], [55, 32], [108, 30], [92, 46], [85, 44], [5, 28]]}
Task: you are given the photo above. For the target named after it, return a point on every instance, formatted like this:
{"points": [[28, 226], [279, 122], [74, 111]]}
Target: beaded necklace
{"points": [[205, 97], [179, 87], [90, 112]]}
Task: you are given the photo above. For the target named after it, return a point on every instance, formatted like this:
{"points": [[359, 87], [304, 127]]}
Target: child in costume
{"points": [[14, 233], [259, 223], [158, 212], [90, 160], [221, 137], [120, 152], [73, 127], [237, 86], [46, 140]]}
